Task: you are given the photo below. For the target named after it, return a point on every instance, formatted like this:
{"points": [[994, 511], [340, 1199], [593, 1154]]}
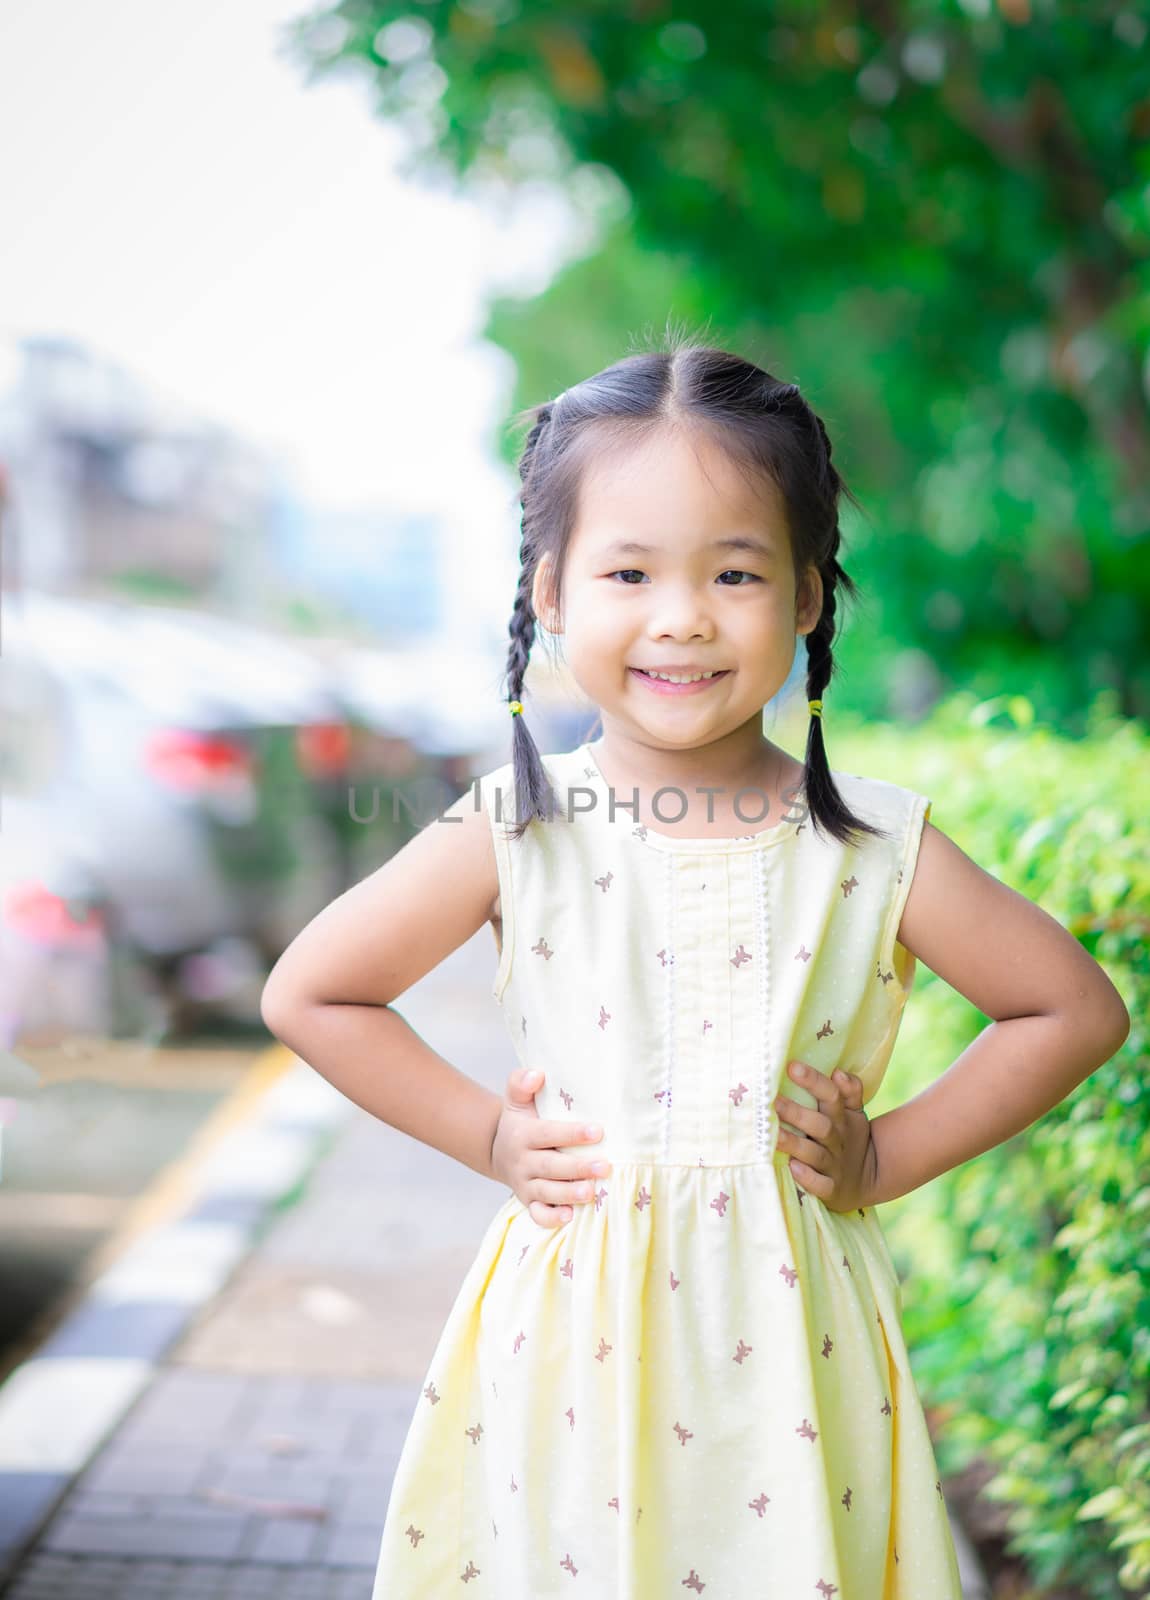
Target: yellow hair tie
{"points": [[515, 707], [816, 707]]}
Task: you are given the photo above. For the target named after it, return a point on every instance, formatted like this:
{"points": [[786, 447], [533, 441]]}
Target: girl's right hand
{"points": [[523, 1155]]}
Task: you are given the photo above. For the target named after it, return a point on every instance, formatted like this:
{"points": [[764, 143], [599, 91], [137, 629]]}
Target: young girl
{"points": [[676, 1363]]}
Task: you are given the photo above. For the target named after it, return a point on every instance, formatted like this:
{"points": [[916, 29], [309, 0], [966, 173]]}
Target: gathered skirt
{"points": [[699, 1384]]}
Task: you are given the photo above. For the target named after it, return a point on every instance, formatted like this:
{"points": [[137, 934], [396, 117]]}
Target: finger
{"points": [[804, 1150], [851, 1086], [559, 1165], [522, 1087], [548, 1216], [814, 1082], [791, 1111], [825, 1158], [815, 1123], [550, 1135], [813, 1182], [554, 1192]]}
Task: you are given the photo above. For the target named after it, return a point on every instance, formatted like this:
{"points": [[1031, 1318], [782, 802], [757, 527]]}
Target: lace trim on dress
{"points": [[672, 964], [763, 1139]]}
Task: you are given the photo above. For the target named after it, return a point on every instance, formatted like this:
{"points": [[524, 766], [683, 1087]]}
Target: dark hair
{"points": [[767, 429]]}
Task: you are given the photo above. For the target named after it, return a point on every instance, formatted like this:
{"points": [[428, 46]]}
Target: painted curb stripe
{"points": [[174, 1250], [53, 1413]]}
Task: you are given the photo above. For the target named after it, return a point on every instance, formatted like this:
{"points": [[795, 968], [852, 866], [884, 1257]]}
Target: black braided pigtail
{"points": [[827, 808], [534, 796]]}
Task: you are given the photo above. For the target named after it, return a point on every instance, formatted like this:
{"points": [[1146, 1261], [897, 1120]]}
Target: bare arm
{"points": [[1057, 1018], [329, 995]]}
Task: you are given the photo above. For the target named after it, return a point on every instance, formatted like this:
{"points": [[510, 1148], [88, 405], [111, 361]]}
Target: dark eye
{"points": [[634, 572]]}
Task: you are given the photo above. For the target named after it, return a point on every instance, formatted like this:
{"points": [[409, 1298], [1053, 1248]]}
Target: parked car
{"points": [[159, 769], [427, 719]]}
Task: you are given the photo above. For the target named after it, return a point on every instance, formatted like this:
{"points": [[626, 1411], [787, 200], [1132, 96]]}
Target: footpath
{"points": [[221, 1411]]}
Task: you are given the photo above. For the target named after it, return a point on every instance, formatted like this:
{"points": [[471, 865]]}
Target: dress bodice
{"points": [[662, 983]]}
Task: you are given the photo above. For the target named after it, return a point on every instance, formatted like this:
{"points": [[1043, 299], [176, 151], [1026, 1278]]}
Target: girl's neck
{"points": [[767, 776]]}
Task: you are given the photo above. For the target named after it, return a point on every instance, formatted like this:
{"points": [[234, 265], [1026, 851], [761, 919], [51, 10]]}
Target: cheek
{"points": [[599, 620], [764, 628]]}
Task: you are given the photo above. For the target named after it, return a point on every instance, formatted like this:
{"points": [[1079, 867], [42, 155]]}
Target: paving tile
{"points": [[366, 1503], [378, 1399], [52, 1577], [96, 1503], [190, 1537], [329, 1322], [273, 1484], [353, 1583], [352, 1546], [129, 1472], [178, 1387], [283, 1540], [310, 1425]]}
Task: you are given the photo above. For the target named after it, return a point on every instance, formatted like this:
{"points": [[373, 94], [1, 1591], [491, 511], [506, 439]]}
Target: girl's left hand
{"points": [[837, 1160]]}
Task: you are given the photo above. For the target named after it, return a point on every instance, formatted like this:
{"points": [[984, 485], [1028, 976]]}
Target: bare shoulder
{"points": [[1003, 952], [393, 927]]}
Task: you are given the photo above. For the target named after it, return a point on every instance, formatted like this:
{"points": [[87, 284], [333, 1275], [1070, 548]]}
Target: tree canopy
{"points": [[934, 216]]}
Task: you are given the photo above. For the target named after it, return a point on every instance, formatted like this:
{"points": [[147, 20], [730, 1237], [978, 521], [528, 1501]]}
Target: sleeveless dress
{"points": [[698, 1384]]}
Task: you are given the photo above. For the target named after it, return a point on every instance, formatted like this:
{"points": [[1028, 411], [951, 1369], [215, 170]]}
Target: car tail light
{"points": [[46, 918], [195, 762], [323, 749]]}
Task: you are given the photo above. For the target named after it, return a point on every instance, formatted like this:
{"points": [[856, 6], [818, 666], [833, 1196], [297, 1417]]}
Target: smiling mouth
{"points": [[689, 686], [711, 672]]}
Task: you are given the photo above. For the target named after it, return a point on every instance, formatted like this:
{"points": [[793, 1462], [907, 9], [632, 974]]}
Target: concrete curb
{"points": [[180, 1242]]}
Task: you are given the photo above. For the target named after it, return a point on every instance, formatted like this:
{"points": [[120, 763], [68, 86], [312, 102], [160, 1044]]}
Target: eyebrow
{"points": [[736, 541]]}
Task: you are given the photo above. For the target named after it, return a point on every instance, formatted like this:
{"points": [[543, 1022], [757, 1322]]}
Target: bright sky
{"points": [[177, 198]]}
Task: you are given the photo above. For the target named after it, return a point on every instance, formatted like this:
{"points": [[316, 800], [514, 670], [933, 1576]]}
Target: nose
{"points": [[680, 613]]}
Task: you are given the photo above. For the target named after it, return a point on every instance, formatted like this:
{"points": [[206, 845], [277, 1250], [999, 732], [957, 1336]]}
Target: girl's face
{"points": [[676, 564]]}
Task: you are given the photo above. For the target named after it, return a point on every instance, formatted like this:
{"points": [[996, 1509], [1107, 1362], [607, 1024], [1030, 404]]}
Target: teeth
{"points": [[667, 678]]}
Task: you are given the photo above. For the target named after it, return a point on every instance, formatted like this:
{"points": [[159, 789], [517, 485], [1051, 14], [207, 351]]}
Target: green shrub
{"points": [[1027, 1270]]}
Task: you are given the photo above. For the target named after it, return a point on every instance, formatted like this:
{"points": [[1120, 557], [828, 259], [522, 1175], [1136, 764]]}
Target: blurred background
{"points": [[272, 282]]}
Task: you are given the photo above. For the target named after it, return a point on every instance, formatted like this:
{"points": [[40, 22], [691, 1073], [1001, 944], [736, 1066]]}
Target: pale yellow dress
{"points": [[699, 1384]]}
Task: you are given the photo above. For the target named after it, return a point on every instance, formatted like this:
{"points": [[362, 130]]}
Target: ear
{"points": [[542, 596], [809, 601]]}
